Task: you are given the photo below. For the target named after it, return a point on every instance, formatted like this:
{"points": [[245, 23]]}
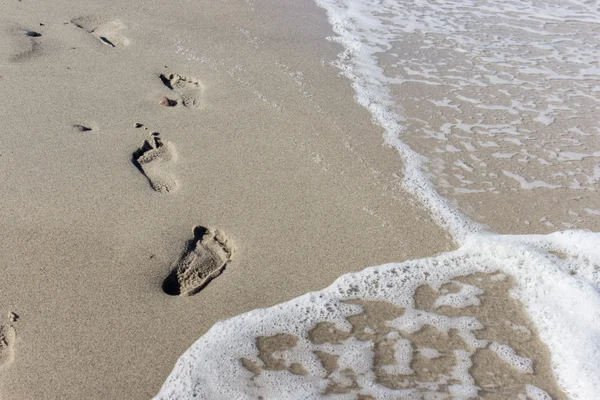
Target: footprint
{"points": [[154, 160], [8, 334], [108, 32], [24, 45], [205, 258], [189, 90]]}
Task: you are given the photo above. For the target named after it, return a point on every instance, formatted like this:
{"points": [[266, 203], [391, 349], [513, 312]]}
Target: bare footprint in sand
{"points": [[20, 43], [190, 90], [108, 32], [154, 159], [205, 258], [8, 335]]}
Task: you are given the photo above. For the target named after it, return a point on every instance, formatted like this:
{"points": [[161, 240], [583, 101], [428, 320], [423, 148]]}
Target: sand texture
{"points": [[167, 165]]}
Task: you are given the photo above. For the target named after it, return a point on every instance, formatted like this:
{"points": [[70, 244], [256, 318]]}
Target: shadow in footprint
{"points": [[204, 259], [166, 81], [105, 40], [82, 128]]}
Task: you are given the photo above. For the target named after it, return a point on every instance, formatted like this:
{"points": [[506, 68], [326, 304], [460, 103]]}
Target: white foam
{"points": [[573, 156], [503, 155], [535, 393], [429, 353], [520, 328], [466, 297], [523, 365], [403, 352], [529, 185]]}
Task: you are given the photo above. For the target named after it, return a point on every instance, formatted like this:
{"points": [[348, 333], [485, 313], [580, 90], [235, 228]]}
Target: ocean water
{"points": [[518, 83]]}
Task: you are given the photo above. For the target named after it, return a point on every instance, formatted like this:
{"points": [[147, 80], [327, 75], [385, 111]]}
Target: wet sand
{"points": [[516, 151], [426, 358]]}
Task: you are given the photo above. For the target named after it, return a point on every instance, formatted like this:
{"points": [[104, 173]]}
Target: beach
{"points": [[167, 166]]}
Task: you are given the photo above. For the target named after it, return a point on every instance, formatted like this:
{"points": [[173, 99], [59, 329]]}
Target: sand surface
{"points": [[168, 165], [265, 145]]}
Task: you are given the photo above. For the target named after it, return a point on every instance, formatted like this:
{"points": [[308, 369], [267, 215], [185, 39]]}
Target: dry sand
{"points": [[265, 145]]}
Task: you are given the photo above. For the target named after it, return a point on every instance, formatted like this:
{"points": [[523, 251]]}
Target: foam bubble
{"points": [[522, 364], [535, 393]]}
